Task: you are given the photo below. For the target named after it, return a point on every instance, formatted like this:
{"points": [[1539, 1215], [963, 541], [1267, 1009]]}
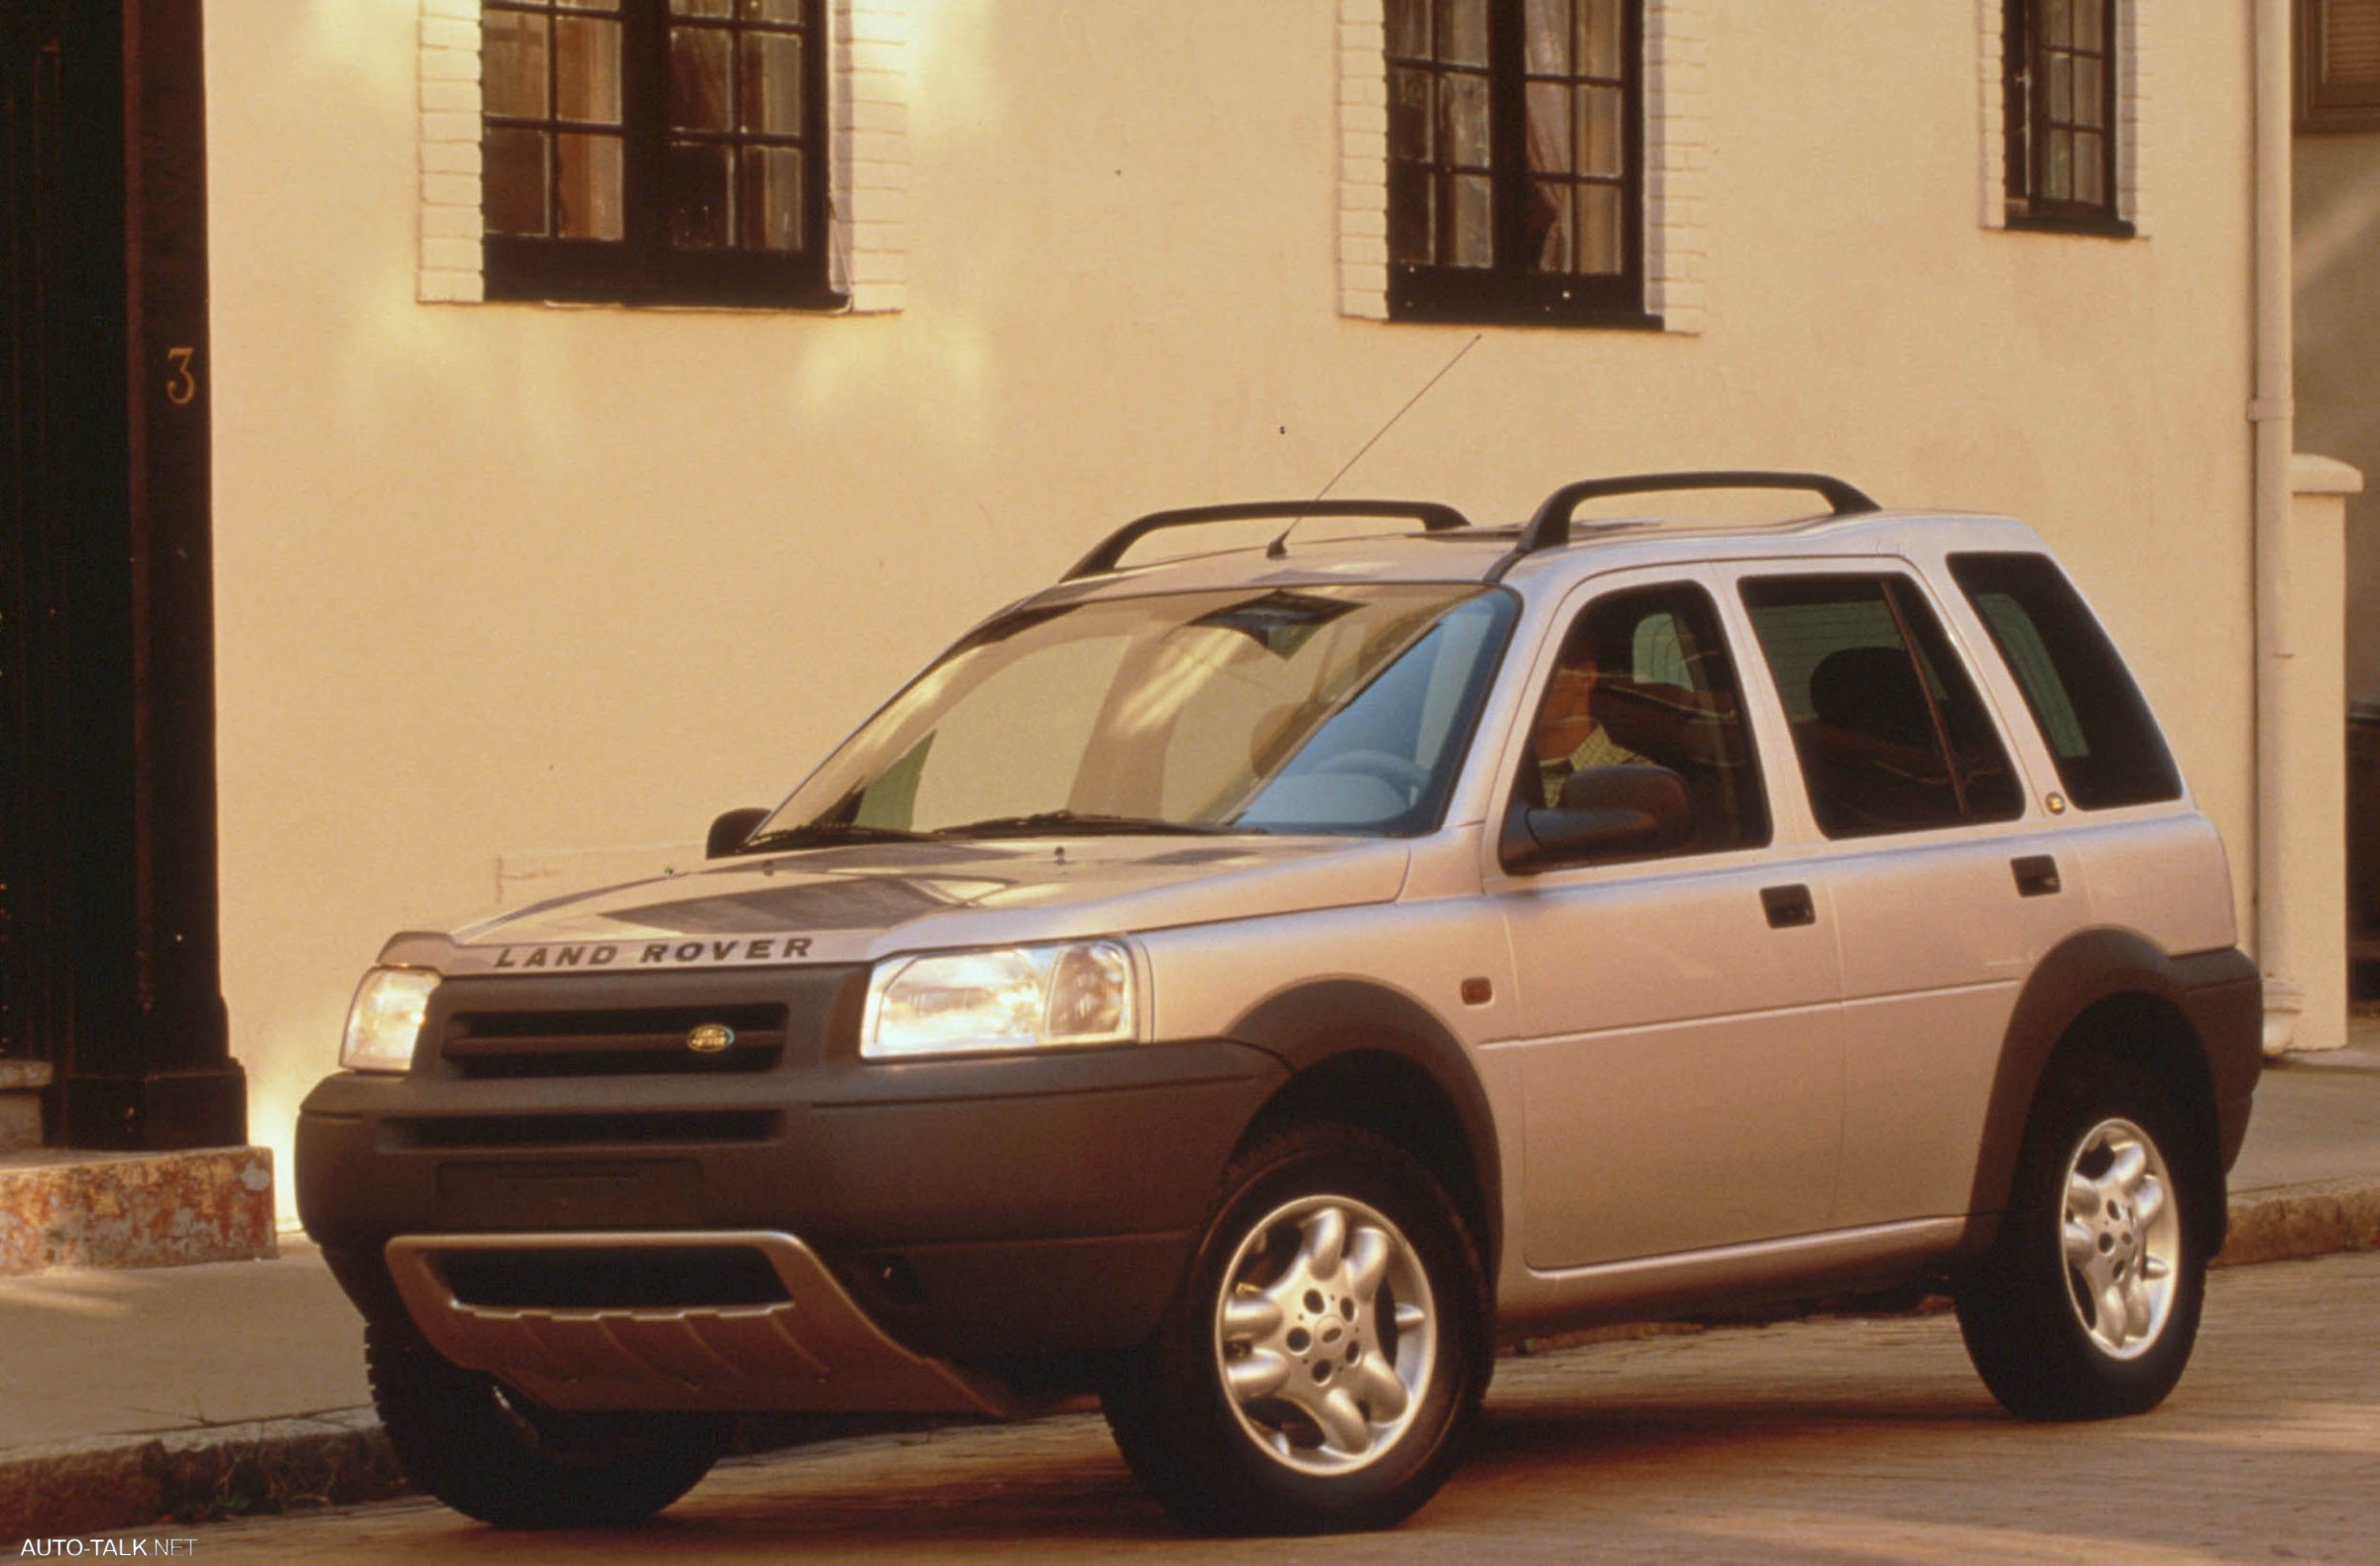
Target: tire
{"points": [[490, 1454], [2088, 1305], [1338, 1423]]}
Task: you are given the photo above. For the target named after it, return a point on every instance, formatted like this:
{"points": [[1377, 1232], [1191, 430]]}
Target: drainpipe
{"points": [[2272, 416]]}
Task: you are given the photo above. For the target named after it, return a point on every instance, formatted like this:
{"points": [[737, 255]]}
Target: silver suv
{"points": [[1252, 986]]}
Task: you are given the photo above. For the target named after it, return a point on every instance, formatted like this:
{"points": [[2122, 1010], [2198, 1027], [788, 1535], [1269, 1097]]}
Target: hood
{"points": [[859, 902]]}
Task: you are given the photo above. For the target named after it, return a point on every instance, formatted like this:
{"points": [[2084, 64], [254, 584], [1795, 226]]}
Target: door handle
{"points": [[1788, 906], [2036, 875]]}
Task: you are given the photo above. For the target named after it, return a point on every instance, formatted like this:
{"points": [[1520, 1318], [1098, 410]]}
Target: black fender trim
{"points": [[2218, 994], [1310, 1027]]}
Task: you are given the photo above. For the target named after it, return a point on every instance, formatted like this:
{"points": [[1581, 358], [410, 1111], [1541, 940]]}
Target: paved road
{"points": [[1838, 1441]]}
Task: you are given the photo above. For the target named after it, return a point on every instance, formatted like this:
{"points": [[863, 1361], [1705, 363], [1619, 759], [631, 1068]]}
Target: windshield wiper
{"points": [[819, 834], [1075, 823]]}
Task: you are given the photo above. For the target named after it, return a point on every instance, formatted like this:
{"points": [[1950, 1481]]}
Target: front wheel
{"points": [[1326, 1354], [494, 1455], [2089, 1305]]}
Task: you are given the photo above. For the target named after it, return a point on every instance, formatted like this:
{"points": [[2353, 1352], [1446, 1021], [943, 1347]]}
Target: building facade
{"points": [[611, 400]]}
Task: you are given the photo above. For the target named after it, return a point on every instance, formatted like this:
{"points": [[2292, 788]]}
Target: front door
{"points": [[1679, 1054]]}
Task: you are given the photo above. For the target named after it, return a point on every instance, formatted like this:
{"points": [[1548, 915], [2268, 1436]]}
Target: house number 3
{"points": [[180, 385]]}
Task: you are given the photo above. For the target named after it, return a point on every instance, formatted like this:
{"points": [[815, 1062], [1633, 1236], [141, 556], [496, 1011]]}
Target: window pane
{"points": [[1473, 241], [1549, 37], [699, 7], [2091, 168], [699, 78], [771, 200], [1599, 38], [771, 95], [699, 197], [2088, 33], [1551, 241], [1409, 29], [2058, 171], [1463, 31], [2058, 23], [1600, 230], [773, 10], [512, 65], [2090, 96], [587, 70], [588, 5], [1463, 110], [1862, 705], [2100, 734], [589, 204], [512, 183], [1409, 114], [1412, 215], [1601, 146], [1644, 678], [1549, 128]]}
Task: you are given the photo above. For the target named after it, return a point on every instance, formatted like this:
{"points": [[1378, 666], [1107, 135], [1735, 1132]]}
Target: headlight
{"points": [[1006, 998], [386, 1019]]}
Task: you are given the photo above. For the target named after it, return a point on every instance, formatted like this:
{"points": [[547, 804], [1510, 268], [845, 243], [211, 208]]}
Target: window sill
{"points": [[2084, 227], [1519, 314]]}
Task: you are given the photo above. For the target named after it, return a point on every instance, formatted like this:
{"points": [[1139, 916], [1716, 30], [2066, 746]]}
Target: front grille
{"points": [[648, 1277], [586, 1131], [644, 1041]]}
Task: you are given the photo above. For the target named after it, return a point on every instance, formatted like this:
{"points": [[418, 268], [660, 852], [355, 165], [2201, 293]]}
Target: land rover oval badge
{"points": [[710, 1038]]}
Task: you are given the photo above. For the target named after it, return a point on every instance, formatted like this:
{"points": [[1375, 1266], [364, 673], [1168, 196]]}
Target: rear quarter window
{"points": [[2098, 726]]}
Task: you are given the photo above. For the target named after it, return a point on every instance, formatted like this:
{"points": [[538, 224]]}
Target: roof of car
{"points": [[1313, 555]]}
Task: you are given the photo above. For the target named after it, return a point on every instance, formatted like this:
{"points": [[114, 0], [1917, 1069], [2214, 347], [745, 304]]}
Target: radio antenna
{"points": [[1280, 545]]}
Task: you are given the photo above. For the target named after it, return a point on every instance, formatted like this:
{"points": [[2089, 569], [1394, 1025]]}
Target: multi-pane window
{"points": [[1516, 158], [655, 149], [2060, 58]]}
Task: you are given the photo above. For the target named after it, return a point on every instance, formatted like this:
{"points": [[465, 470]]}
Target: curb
{"points": [[197, 1474], [2290, 1222], [341, 1457]]}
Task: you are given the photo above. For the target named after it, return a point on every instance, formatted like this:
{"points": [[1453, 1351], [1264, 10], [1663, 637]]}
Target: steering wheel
{"points": [[1393, 769]]}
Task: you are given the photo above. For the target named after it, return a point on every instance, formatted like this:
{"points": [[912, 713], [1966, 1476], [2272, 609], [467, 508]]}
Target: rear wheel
{"points": [[1326, 1354], [2089, 1304], [491, 1454]]}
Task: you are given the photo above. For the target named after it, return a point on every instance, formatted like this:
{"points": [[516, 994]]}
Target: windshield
{"points": [[1338, 708]]}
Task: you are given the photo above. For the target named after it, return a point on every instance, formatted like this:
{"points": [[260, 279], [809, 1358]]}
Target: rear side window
{"points": [[2106, 744], [1889, 731]]}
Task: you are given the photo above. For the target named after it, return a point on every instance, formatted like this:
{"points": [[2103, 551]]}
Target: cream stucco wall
{"points": [[499, 579]]}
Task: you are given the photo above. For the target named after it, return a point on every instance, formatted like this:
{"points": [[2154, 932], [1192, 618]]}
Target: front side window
{"points": [[2060, 59], [1889, 728], [1643, 679], [1515, 159], [1309, 709], [654, 151]]}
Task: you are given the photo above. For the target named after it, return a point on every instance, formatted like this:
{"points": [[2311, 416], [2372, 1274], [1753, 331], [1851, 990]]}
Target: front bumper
{"points": [[978, 1210]]}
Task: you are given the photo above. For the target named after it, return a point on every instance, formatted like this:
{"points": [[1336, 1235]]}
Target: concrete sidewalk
{"points": [[126, 1397]]}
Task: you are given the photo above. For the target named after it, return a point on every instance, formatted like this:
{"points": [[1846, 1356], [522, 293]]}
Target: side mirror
{"points": [[1605, 812], [730, 830]]}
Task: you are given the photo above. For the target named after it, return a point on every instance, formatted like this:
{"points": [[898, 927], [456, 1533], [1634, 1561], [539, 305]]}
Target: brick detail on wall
{"points": [[1677, 160], [869, 85], [2135, 71]]}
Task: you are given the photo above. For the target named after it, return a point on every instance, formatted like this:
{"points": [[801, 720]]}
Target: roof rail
{"points": [[1433, 517], [1549, 529]]}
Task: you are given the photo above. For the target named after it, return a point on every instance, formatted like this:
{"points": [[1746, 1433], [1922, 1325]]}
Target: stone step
{"points": [[21, 1085], [62, 1209]]}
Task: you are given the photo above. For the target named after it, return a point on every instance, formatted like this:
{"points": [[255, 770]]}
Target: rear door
{"points": [[1947, 878]]}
